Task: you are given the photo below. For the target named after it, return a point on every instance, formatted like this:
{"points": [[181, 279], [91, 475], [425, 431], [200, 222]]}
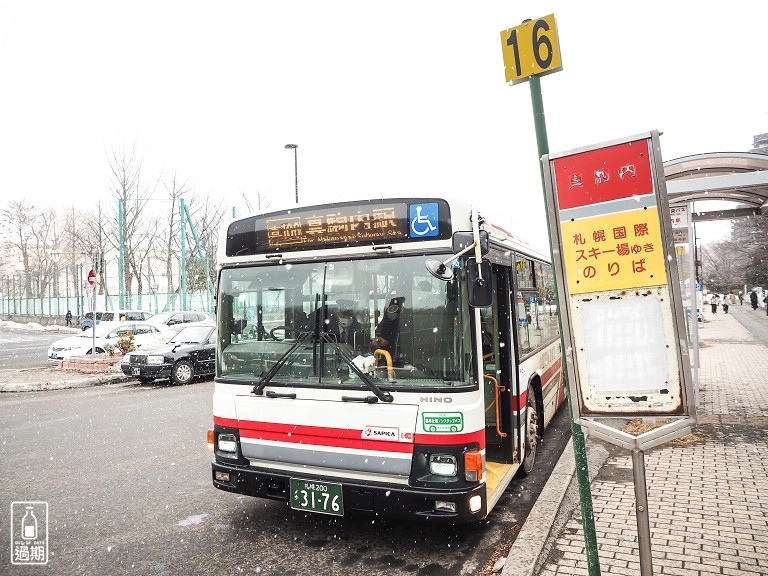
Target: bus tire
{"points": [[532, 435]]}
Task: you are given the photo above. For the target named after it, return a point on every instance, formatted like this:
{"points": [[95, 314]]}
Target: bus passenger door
{"points": [[498, 386]]}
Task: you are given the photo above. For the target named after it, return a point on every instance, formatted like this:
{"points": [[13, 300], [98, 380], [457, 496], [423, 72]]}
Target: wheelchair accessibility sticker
{"points": [[425, 220]]}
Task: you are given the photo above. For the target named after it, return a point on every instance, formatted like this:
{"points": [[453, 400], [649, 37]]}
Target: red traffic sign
{"points": [[92, 277]]}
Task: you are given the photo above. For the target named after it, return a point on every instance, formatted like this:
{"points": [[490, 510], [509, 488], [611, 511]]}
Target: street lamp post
{"points": [[295, 147]]}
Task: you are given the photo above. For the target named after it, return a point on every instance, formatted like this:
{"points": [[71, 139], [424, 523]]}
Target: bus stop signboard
{"points": [[623, 320]]}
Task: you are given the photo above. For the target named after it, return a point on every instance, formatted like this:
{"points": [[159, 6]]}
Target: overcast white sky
{"points": [[383, 98]]}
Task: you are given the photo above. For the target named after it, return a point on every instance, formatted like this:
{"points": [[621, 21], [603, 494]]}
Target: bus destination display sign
{"points": [[337, 226], [340, 225]]}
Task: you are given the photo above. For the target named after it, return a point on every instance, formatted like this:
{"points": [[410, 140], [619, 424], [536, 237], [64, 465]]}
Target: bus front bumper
{"points": [[387, 501]]}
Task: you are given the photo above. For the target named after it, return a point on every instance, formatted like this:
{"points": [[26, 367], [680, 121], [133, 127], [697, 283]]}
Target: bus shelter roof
{"points": [[737, 177]]}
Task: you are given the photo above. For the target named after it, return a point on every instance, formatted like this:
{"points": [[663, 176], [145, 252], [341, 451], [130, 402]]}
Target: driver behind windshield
{"points": [[340, 321], [388, 330]]}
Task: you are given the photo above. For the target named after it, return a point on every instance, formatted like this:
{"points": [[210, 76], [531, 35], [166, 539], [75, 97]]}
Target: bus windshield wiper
{"points": [[259, 388], [380, 394]]}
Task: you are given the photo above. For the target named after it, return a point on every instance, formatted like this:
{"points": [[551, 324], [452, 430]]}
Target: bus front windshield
{"points": [[329, 323]]}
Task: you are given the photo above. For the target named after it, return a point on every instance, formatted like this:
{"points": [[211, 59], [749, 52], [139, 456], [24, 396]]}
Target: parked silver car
{"points": [[178, 320]]}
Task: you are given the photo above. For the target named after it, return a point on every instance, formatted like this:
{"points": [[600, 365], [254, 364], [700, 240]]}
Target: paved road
{"points": [[125, 471], [20, 348], [756, 321]]}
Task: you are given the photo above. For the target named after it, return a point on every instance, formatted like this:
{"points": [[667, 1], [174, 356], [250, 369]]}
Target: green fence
{"points": [[57, 306]]}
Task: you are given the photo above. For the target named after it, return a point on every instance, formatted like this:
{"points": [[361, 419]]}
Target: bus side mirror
{"points": [[479, 287], [461, 240]]}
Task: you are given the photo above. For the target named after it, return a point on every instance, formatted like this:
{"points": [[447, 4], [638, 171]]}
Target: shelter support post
{"points": [[641, 512]]}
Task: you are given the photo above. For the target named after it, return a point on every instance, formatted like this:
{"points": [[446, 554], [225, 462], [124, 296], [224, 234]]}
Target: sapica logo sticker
{"points": [[442, 422], [381, 433]]}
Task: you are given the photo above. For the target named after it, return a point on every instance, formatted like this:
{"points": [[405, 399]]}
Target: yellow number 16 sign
{"points": [[531, 48]]}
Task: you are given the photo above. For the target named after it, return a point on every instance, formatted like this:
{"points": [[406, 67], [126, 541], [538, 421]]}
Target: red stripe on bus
{"points": [[519, 401], [551, 371], [340, 437], [300, 429], [226, 422], [334, 442]]}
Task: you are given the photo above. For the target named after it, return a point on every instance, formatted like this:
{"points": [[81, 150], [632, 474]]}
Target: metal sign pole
{"points": [[579, 444], [542, 56], [93, 319], [641, 513], [695, 304]]}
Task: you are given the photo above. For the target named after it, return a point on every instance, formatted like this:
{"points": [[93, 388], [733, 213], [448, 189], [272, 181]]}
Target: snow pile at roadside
{"points": [[36, 327]]}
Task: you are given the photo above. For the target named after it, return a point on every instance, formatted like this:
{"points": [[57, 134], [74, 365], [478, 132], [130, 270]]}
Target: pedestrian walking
{"points": [[68, 317], [765, 300], [741, 298], [725, 303], [714, 301], [753, 299]]}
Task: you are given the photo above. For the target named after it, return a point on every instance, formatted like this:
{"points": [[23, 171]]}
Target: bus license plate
{"points": [[321, 497]]}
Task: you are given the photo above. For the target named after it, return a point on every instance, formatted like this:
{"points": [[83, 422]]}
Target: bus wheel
{"points": [[182, 373], [531, 432]]}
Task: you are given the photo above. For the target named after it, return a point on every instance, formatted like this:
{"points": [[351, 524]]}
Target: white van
{"points": [[115, 315]]}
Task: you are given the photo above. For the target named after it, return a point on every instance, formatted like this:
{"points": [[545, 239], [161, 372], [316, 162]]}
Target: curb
{"points": [[553, 508], [529, 544], [85, 382]]}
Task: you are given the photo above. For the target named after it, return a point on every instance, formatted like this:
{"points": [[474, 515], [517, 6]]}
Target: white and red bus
{"points": [[367, 363]]}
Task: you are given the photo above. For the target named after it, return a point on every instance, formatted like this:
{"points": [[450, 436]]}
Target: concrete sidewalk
{"points": [[707, 514]]}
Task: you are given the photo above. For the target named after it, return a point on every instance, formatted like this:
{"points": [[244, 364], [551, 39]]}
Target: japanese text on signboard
{"points": [[613, 251], [336, 227], [609, 219]]}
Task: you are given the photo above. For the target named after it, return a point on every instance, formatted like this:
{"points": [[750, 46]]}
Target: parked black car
{"points": [[191, 353]]}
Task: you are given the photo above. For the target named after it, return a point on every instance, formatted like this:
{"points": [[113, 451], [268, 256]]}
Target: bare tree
{"points": [[18, 220], [262, 201], [138, 225], [723, 266], [95, 243], [45, 238], [175, 189], [750, 237]]}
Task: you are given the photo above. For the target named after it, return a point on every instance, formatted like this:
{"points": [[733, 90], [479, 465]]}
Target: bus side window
{"points": [[524, 322], [549, 300]]}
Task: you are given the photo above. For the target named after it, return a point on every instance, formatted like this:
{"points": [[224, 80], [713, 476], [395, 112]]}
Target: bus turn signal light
{"points": [[473, 466]]}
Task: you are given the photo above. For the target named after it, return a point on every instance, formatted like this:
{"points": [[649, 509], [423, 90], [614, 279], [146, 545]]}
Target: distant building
{"points": [[760, 143]]}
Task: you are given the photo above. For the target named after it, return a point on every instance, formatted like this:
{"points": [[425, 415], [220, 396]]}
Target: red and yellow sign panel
{"points": [[612, 173], [614, 252]]}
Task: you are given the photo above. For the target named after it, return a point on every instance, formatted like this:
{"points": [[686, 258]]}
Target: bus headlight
{"points": [[443, 465], [227, 443]]}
